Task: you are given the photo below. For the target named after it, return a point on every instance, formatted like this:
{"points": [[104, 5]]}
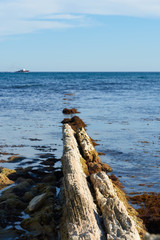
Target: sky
{"points": [[84, 35]]}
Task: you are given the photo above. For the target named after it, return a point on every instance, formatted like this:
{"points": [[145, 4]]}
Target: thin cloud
{"points": [[25, 16]]}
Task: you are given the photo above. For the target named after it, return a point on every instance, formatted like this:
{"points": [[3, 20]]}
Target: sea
{"points": [[121, 110]]}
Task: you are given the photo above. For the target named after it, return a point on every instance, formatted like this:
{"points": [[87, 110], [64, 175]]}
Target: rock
{"points": [[90, 154], [28, 196], [118, 224], [80, 216], [4, 181], [106, 167], [37, 202], [75, 122], [15, 158], [151, 236], [88, 151], [116, 181], [94, 167], [7, 171], [38, 227], [21, 188], [70, 111]]}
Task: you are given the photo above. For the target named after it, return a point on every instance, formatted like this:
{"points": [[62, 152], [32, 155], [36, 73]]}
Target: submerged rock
{"points": [[70, 111], [16, 158], [36, 202]]}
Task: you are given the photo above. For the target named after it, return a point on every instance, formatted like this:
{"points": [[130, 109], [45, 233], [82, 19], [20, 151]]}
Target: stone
{"points": [[151, 236], [70, 111], [4, 181], [80, 215], [106, 167], [15, 158], [94, 167], [88, 151], [118, 224], [75, 122], [37, 202]]}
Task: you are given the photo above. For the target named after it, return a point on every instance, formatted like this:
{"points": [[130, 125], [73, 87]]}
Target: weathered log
{"points": [[80, 217]]}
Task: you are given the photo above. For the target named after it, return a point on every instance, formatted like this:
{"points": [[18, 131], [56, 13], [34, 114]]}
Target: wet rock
{"points": [[75, 122], [70, 111], [21, 188], [106, 167], [41, 223], [116, 181], [100, 153], [94, 167], [79, 209], [50, 179], [10, 209], [119, 225], [47, 155], [28, 196], [90, 154], [20, 173], [37, 202], [16, 158], [50, 161], [39, 228], [2, 161], [58, 175], [87, 149], [151, 237]]}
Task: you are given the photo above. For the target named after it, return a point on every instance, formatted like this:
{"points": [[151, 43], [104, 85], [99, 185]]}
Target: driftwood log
{"points": [[84, 208]]}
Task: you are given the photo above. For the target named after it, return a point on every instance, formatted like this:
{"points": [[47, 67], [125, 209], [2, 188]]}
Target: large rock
{"points": [[36, 202], [119, 225], [80, 218]]}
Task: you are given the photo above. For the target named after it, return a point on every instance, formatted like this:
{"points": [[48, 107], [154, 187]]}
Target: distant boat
{"points": [[22, 71]]}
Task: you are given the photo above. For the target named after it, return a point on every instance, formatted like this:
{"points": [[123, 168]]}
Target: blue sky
{"points": [[59, 35]]}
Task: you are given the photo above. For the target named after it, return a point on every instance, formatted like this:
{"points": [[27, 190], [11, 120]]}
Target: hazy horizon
{"points": [[59, 36]]}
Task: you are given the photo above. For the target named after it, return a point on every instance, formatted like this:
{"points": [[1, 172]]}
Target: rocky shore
{"points": [[80, 200]]}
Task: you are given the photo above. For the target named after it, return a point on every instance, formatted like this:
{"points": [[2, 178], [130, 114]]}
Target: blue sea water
{"points": [[121, 110]]}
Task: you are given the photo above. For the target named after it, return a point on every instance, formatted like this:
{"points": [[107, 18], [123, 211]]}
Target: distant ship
{"points": [[22, 71]]}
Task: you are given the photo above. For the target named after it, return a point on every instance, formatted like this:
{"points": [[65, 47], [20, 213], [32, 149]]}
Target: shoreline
{"points": [[45, 183]]}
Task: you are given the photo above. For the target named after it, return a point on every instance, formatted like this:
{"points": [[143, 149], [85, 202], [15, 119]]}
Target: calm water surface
{"points": [[122, 111]]}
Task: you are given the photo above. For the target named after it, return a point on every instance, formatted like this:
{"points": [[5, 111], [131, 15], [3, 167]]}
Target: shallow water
{"points": [[122, 112]]}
